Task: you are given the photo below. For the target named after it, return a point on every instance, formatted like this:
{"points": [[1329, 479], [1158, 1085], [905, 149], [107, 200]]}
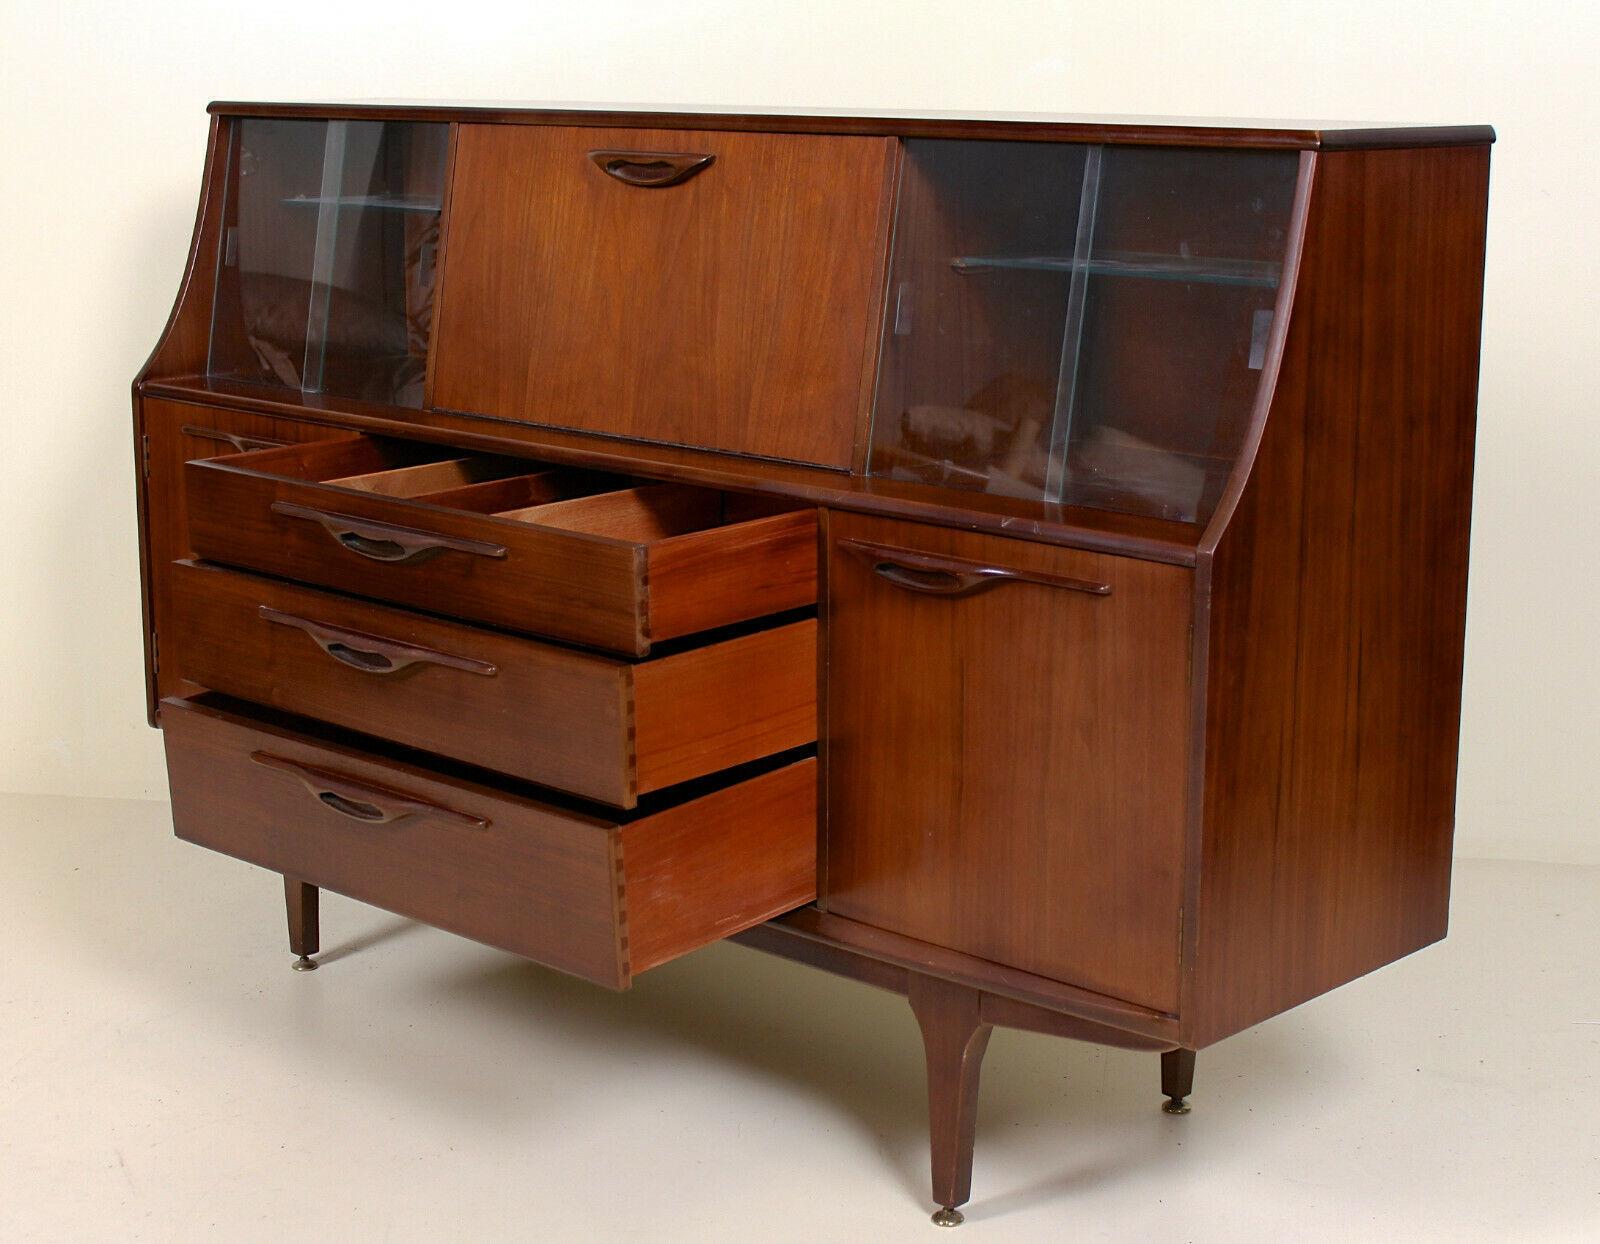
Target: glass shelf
{"points": [[1124, 379], [329, 246], [375, 202], [1255, 272]]}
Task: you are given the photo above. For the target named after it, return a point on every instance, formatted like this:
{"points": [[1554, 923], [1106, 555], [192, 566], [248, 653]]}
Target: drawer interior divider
{"points": [[591, 557]]}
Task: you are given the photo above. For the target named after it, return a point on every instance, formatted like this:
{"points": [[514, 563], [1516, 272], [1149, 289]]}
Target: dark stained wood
{"points": [[1338, 595], [303, 905], [794, 937], [865, 940], [168, 434], [284, 513], [651, 168], [1087, 774], [373, 654], [445, 212], [954, 1038], [1382, 138], [1007, 1012], [1227, 505], [185, 340], [1177, 1075], [1131, 535], [579, 722], [1039, 127], [602, 898], [732, 310], [540, 879], [937, 574], [778, 937], [1007, 769]]}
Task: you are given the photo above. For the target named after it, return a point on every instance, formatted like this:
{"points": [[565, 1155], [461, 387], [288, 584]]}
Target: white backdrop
{"points": [[100, 155]]}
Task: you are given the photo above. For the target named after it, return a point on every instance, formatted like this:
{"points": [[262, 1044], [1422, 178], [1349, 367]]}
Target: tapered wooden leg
{"points": [[954, 1038], [1177, 1080], [304, 933]]}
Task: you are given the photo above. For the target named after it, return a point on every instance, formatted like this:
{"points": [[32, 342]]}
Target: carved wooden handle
{"points": [[373, 654], [650, 169], [243, 444], [939, 575], [363, 801], [386, 542]]}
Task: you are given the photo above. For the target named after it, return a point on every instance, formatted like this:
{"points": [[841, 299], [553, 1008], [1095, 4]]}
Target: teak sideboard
{"points": [[1018, 562]]}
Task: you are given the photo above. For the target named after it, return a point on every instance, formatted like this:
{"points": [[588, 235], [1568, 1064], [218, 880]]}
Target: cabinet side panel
{"points": [[184, 340], [1339, 598], [182, 347], [170, 434]]}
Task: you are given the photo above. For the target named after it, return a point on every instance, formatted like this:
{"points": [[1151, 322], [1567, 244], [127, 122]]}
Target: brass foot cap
{"points": [[948, 1216], [305, 963], [1175, 1105]]}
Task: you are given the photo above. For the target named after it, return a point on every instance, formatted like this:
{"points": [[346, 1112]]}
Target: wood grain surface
{"points": [[261, 512], [733, 310], [599, 897], [580, 722], [1006, 769], [1339, 600]]}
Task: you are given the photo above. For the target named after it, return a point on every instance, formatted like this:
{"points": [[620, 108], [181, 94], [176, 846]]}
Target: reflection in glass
{"points": [[1079, 324], [330, 241]]}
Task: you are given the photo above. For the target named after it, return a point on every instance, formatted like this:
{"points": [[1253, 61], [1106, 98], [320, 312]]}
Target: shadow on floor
{"points": [[838, 1043]]}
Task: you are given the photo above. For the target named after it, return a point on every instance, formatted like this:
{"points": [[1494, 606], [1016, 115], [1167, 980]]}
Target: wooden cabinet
{"points": [[582, 722], [1017, 563], [1008, 730], [329, 243], [600, 897], [587, 558], [170, 434], [1080, 322], [690, 286]]}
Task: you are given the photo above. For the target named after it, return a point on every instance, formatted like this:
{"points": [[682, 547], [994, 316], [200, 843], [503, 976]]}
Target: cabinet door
{"points": [[696, 288], [1007, 740], [173, 433], [330, 237]]}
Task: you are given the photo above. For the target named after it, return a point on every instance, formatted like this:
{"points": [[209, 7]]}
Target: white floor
{"points": [[164, 1076]]}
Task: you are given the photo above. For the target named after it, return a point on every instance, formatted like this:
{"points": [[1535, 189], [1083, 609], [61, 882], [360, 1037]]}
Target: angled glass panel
{"points": [[1079, 324], [328, 256]]}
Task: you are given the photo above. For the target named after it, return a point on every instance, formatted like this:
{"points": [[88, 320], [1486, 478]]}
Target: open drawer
{"points": [[596, 559], [602, 897], [600, 726]]}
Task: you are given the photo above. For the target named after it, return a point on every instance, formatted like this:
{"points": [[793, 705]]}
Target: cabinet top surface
{"points": [[1176, 131]]}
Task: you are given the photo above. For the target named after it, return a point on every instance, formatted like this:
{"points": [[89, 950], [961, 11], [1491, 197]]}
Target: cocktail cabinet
{"points": [[1019, 563]]}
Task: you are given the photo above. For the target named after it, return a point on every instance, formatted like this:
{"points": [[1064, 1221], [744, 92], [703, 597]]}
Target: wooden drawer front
{"points": [[592, 725], [1008, 751], [602, 898], [594, 559], [736, 309], [174, 433]]}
